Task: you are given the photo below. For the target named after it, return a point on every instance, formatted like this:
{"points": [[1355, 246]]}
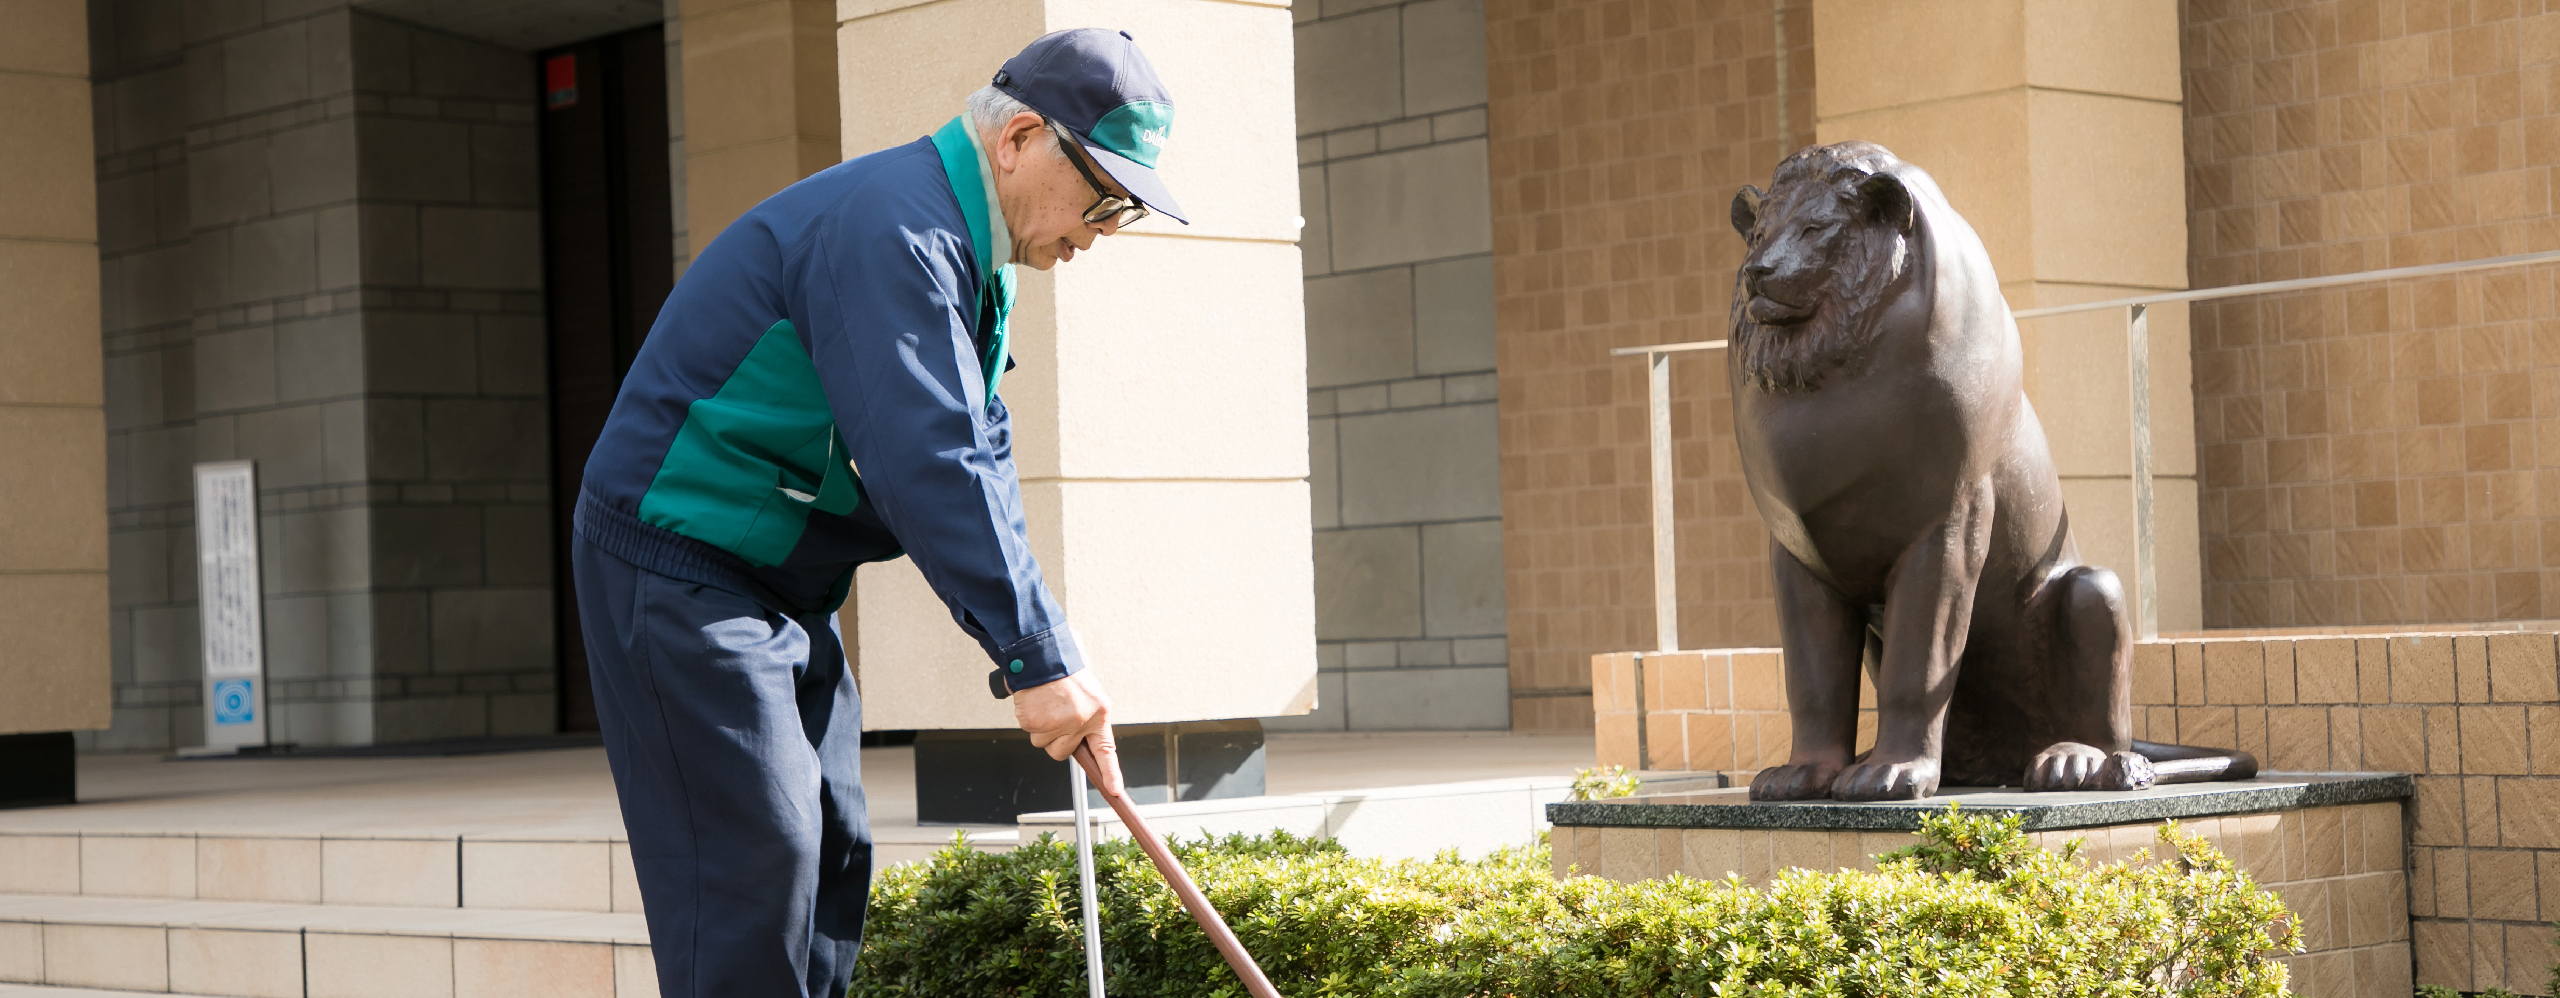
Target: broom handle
{"points": [[1192, 900]]}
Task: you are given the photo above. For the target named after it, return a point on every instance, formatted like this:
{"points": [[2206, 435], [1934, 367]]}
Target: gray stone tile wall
{"points": [[1397, 244], [141, 92], [673, 27], [325, 256]]}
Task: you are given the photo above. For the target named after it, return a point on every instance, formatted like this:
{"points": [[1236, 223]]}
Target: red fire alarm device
{"points": [[560, 81]]}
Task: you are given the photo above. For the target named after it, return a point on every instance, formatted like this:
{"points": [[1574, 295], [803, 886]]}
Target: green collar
{"points": [[966, 167], [964, 164], [1000, 238]]}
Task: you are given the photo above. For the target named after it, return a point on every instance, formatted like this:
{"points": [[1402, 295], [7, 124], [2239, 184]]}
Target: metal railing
{"points": [[1666, 605]]}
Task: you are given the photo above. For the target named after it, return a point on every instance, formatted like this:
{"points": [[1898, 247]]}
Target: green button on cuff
{"points": [[1015, 667]]}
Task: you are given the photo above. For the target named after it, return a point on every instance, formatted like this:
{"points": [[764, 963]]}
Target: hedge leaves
{"points": [[1975, 909]]}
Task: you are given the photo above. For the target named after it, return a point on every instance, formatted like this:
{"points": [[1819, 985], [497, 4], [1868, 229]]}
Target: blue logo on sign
{"points": [[231, 702]]}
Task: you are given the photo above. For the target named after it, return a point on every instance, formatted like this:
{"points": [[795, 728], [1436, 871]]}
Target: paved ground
{"points": [[568, 793]]}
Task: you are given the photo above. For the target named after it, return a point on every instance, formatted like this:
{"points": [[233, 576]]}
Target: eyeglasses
{"points": [[1110, 206]]}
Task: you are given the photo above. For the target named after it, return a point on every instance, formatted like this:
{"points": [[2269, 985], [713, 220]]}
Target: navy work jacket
{"points": [[819, 391]]}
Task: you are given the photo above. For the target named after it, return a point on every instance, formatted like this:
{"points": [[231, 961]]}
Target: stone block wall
{"points": [[2382, 454], [1620, 132], [455, 391], [2338, 869], [147, 282], [683, 238], [1399, 299], [324, 255]]}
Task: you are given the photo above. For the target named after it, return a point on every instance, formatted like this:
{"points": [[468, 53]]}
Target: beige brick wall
{"points": [[1620, 130], [2337, 868], [1722, 711], [2476, 716], [2386, 454]]}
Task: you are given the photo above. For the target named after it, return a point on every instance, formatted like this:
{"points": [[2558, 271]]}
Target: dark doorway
{"points": [[608, 261]]}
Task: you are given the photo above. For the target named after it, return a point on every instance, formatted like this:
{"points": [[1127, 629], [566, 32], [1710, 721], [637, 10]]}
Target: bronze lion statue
{"points": [[1916, 521]]}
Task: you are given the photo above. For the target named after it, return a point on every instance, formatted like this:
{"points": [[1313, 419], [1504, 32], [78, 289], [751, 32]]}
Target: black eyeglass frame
{"points": [[1108, 204]]}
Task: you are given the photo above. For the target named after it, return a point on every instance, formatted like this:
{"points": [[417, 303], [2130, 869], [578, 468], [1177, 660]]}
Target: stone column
{"points": [[1400, 367], [53, 445], [757, 96], [1160, 407], [322, 253], [2056, 129]]}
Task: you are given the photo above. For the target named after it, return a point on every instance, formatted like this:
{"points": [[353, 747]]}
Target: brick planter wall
{"points": [[2337, 868], [2474, 715]]}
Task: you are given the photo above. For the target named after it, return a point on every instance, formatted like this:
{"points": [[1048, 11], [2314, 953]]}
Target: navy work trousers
{"points": [[735, 736]]}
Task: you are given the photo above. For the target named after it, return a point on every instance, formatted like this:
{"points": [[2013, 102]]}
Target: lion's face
{"points": [[1824, 245], [1795, 251]]}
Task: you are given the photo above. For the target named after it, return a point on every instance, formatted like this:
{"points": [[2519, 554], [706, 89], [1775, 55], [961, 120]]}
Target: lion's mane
{"points": [[1799, 356]]}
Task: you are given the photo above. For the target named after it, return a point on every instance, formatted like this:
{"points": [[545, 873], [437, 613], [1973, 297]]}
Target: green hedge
{"points": [[1975, 910]]}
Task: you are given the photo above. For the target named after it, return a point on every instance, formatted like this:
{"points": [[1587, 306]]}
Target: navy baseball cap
{"points": [[1098, 85]]}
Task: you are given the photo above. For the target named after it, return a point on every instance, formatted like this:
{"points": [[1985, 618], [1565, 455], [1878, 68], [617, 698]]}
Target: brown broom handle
{"points": [[1192, 900]]}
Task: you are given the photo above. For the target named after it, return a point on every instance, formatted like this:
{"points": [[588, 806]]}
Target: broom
{"points": [[1192, 900]]}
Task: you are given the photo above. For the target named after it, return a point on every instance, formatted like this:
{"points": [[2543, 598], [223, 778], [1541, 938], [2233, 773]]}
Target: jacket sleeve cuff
{"points": [[1042, 658]]}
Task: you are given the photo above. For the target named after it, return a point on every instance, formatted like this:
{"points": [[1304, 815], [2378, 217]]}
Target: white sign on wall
{"points": [[232, 609]]}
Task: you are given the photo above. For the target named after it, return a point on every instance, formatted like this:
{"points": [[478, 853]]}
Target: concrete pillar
{"points": [[53, 444], [2056, 128], [1160, 407], [758, 100]]}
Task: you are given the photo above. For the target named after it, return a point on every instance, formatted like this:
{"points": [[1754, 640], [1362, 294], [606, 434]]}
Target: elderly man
{"points": [[820, 392]]}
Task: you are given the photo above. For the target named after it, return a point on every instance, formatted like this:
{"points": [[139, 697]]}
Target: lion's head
{"points": [[1826, 241]]}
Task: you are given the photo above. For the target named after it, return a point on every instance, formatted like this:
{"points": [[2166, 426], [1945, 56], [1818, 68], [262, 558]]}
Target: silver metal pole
{"points": [[1084, 879], [1666, 583], [2137, 345], [1786, 139]]}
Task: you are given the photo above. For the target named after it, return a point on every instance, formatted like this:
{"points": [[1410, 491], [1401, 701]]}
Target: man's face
{"points": [[1043, 196]]}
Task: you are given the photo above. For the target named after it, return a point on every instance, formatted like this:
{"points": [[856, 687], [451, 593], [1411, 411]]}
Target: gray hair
{"points": [[990, 109]]}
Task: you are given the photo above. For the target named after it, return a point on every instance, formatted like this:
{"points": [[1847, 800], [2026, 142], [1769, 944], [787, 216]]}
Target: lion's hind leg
{"points": [[2078, 628], [2087, 639]]}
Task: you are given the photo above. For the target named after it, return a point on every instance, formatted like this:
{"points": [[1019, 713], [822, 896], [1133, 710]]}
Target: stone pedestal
{"points": [[1160, 421], [2332, 845]]}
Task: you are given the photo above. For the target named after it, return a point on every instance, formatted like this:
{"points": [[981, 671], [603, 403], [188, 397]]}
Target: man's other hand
{"points": [[1069, 712]]}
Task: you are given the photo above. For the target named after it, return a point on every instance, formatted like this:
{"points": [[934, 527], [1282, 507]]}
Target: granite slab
{"points": [[2039, 812]]}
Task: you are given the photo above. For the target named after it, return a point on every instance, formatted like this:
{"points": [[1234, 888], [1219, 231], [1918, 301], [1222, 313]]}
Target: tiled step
{"points": [[264, 950], [502, 872], [468, 871]]}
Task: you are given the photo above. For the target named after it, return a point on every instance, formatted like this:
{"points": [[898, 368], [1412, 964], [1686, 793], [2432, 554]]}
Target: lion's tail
{"points": [[2188, 764]]}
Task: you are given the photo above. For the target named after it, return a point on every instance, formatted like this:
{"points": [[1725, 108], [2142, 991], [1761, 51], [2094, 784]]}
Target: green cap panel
{"points": [[1135, 130]]}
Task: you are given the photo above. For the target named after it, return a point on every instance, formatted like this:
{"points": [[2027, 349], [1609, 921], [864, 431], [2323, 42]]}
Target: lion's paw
{"points": [[1877, 779], [2065, 766], [2074, 766], [1802, 781]]}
